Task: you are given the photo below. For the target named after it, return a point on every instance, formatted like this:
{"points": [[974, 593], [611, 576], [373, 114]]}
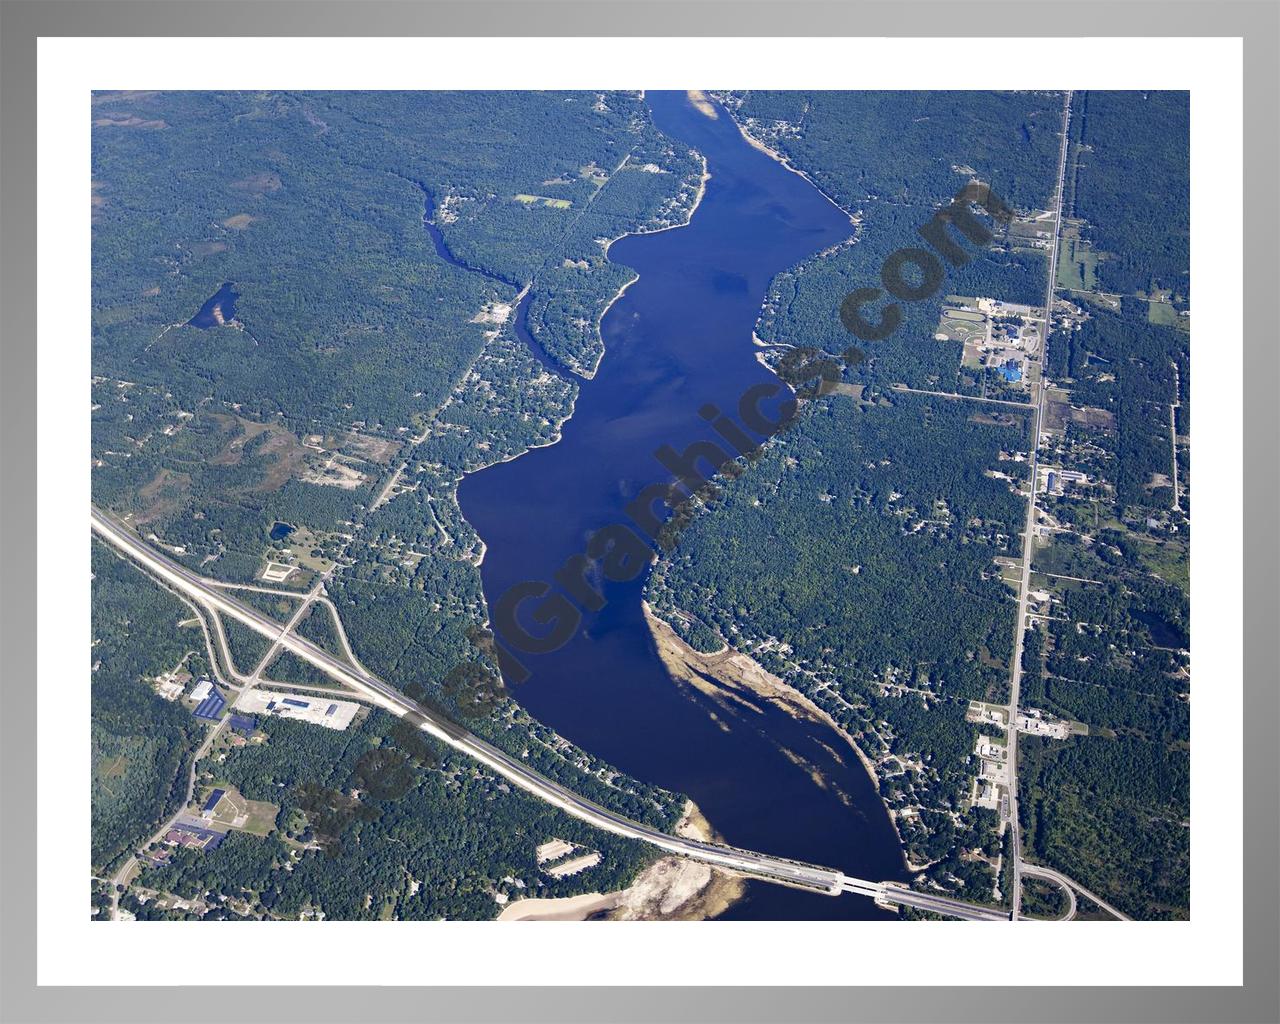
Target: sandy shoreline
{"points": [[670, 889], [566, 908], [769, 151], [736, 671]]}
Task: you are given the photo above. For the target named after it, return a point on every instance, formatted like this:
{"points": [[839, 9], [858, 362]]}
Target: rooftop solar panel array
{"points": [[211, 707]]}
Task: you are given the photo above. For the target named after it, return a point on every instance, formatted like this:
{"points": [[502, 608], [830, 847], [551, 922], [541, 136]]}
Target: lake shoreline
{"points": [[678, 339], [734, 669]]}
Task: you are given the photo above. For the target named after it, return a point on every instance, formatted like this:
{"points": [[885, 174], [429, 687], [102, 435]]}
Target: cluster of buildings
{"points": [[170, 687], [1056, 480], [1035, 722], [188, 835], [1000, 336], [209, 701], [332, 714], [991, 787]]}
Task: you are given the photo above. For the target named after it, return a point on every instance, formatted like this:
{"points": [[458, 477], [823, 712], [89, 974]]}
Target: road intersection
{"points": [[218, 602], [1028, 535]]}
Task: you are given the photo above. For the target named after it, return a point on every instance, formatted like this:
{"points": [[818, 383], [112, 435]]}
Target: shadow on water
{"points": [[681, 337]]}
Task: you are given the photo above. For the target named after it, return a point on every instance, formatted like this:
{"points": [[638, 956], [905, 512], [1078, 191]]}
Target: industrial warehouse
{"points": [[321, 710]]}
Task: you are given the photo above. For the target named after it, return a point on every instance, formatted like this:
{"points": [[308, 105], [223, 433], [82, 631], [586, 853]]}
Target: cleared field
{"points": [[302, 545], [571, 867], [555, 204], [962, 325], [1077, 265], [1059, 411], [317, 710], [554, 849], [257, 817]]}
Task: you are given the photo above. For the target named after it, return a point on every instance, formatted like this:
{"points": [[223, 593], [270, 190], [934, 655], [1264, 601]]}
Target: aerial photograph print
{"points": [[631, 505]]}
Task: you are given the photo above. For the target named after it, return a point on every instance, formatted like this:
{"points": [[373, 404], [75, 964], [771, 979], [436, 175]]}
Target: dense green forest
{"points": [[1043, 899], [350, 332], [890, 159], [318, 627], [287, 667], [247, 647], [1131, 184], [856, 560], [1113, 813], [369, 362], [360, 341], [142, 744], [378, 824], [1112, 808], [911, 148]]}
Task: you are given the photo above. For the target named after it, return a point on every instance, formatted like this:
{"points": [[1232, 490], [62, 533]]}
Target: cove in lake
{"points": [[218, 310], [681, 337], [521, 311]]}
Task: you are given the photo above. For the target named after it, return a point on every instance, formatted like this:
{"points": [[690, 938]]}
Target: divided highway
{"points": [[756, 865]]}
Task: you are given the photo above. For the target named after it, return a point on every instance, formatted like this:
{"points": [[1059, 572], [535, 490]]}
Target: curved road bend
{"points": [[757, 865], [1072, 887]]}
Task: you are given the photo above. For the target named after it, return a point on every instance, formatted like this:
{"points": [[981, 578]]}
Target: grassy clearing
{"points": [[1077, 265], [257, 817], [555, 204], [303, 543], [1167, 559]]}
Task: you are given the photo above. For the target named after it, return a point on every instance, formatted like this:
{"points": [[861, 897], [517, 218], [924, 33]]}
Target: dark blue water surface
{"points": [[679, 338], [223, 301], [522, 307]]}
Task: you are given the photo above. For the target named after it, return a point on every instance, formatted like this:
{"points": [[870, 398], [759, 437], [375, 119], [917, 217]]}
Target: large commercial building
{"points": [[318, 710]]}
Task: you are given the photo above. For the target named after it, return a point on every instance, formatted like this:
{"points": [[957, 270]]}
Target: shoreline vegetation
{"points": [[697, 201], [769, 151], [669, 889], [735, 672], [582, 374]]}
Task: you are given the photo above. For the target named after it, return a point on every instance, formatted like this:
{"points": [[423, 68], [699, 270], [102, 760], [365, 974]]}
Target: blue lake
{"points": [[680, 338], [219, 309]]}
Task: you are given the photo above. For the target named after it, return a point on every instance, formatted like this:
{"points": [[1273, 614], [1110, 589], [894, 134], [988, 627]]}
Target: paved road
{"points": [[1029, 870], [1072, 888], [124, 872], [1028, 535], [1024, 406], [938, 904], [221, 602], [1173, 434], [756, 865]]}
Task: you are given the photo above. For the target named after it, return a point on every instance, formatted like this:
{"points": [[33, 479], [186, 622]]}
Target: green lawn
{"points": [[1077, 265]]}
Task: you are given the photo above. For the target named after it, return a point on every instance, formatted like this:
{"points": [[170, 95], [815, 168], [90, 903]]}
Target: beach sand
{"points": [[670, 889]]}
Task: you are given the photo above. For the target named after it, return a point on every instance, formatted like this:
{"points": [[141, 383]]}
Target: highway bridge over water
{"points": [[216, 600]]}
